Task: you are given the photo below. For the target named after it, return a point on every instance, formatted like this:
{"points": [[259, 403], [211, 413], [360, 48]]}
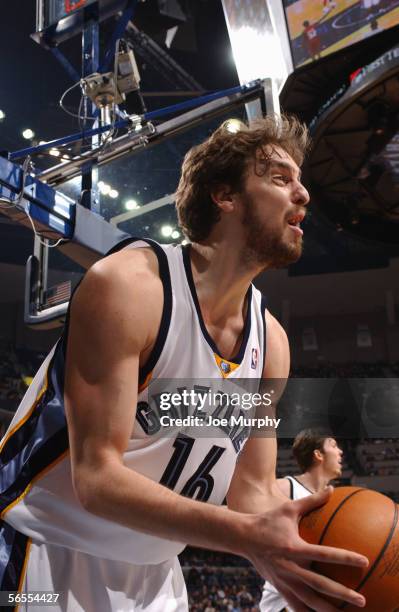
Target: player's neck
{"points": [[220, 279], [314, 480]]}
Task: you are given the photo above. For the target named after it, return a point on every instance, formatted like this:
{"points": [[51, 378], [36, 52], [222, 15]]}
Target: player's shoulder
{"points": [[130, 271], [134, 262], [120, 297], [121, 284]]}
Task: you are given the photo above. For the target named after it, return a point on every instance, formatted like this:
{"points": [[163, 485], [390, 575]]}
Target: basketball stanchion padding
{"points": [[365, 522]]}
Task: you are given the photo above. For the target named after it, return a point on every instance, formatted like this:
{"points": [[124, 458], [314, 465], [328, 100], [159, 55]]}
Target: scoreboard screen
{"points": [[58, 20], [320, 27], [51, 12]]}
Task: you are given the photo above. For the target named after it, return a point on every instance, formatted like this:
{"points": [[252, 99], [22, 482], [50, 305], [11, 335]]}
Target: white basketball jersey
{"points": [[271, 600], [38, 498]]}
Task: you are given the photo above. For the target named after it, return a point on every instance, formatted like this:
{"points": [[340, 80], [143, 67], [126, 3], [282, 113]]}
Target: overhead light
{"points": [[113, 193], [184, 242], [104, 187], [2, 115], [42, 142], [54, 152], [233, 125], [131, 204], [65, 156], [167, 231], [175, 235], [28, 134]]}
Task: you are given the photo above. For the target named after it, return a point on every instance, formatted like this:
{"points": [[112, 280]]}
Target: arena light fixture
{"points": [[233, 125], [104, 187], [113, 193], [28, 134], [166, 231], [184, 242], [175, 235], [2, 115], [54, 152], [131, 204]]}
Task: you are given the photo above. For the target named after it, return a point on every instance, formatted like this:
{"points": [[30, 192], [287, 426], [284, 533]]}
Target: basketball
{"points": [[365, 522]]}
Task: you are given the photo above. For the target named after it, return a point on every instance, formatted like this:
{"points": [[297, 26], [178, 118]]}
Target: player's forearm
{"points": [[126, 497]]}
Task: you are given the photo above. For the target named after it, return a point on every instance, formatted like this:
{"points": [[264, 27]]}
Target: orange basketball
{"points": [[365, 522]]}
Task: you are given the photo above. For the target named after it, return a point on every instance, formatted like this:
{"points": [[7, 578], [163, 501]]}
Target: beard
{"points": [[266, 246]]}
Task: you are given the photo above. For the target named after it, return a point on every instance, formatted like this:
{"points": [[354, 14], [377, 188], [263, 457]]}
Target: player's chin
{"points": [[285, 257], [294, 249]]}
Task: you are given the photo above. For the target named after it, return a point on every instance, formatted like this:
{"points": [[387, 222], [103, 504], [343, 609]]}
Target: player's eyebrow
{"points": [[284, 166]]}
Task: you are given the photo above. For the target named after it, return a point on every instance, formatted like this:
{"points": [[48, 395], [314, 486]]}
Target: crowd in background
{"points": [[17, 367], [379, 457], [346, 370], [222, 589]]}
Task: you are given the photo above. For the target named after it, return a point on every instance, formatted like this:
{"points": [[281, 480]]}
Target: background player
{"points": [[320, 461]]}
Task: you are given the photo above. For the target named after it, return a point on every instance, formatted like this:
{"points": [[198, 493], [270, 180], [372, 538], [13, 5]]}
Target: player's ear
{"points": [[317, 455], [223, 196]]}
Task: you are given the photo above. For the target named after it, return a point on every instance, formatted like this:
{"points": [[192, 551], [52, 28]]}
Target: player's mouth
{"points": [[295, 223]]}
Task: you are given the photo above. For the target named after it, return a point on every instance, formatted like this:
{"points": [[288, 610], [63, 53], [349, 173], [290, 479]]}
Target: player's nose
{"points": [[302, 195]]}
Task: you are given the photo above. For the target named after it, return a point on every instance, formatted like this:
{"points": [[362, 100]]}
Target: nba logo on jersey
{"points": [[254, 358], [225, 367]]}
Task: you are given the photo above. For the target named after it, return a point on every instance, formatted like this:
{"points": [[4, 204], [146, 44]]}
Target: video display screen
{"points": [[319, 27], [54, 10]]}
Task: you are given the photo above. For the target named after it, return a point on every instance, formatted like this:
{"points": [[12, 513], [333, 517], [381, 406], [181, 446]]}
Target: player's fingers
{"points": [[330, 554], [323, 584]]}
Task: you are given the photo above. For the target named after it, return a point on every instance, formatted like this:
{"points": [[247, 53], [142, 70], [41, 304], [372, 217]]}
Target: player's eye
{"points": [[282, 177]]}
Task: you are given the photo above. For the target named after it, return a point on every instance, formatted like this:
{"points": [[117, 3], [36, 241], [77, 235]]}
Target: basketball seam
{"points": [[380, 555], [341, 503]]}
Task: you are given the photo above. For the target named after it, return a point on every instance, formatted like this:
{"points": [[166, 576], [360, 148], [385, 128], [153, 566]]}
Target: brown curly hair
{"points": [[224, 158]]}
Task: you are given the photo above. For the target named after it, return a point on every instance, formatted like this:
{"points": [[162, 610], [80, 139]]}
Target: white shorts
{"points": [[90, 584]]}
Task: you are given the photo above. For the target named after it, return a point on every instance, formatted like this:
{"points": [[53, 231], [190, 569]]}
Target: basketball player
{"points": [[328, 5], [320, 461], [97, 501], [311, 38]]}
